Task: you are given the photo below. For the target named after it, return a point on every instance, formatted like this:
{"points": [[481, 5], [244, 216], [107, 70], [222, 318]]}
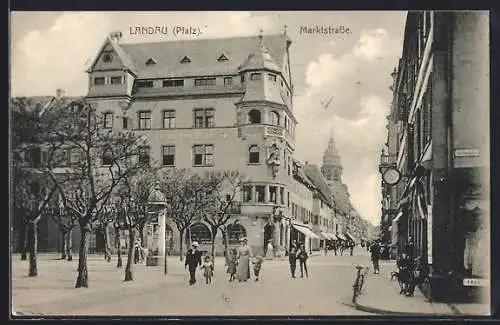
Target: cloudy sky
{"points": [[51, 50]]}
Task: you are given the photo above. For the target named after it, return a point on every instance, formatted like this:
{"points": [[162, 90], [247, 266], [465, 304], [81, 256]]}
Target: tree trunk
{"points": [[33, 247], [118, 248], [130, 257], [214, 234], [64, 234], [69, 245], [83, 276], [107, 249], [226, 243], [24, 241], [181, 236]]}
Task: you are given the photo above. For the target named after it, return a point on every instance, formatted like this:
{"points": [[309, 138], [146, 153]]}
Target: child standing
{"points": [[208, 269], [257, 266], [232, 262]]}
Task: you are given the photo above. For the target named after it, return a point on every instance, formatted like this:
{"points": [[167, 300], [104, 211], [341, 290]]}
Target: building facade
{"points": [[437, 142]]}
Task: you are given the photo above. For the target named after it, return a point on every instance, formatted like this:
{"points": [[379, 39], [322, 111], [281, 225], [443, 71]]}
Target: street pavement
{"points": [[327, 291], [393, 303]]}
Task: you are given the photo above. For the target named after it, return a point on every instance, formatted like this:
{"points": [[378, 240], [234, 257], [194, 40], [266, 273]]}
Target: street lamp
{"points": [[157, 204]]}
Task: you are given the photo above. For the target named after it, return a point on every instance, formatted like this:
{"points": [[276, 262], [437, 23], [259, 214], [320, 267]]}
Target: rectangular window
{"points": [[282, 195], [256, 76], [145, 120], [125, 123], [61, 158], [108, 120], [271, 77], [107, 157], [203, 155], [273, 192], [228, 81], [144, 84], [116, 80], [242, 78], [247, 193], [204, 118], [173, 83], [260, 193], [168, 155], [99, 81], [75, 156], [144, 156], [288, 199], [205, 82], [169, 119]]}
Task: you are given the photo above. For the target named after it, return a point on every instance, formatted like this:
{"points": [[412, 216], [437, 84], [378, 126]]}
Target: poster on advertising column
{"points": [[429, 234]]}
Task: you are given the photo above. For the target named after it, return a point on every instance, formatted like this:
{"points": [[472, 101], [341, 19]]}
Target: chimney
{"points": [[116, 37], [60, 93]]}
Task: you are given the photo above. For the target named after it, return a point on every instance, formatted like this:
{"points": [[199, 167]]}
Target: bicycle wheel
{"points": [[355, 290], [361, 282]]}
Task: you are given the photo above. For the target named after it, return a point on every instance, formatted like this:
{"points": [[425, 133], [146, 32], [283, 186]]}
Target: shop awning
{"points": [[349, 236], [322, 235], [341, 237], [306, 231], [332, 236]]}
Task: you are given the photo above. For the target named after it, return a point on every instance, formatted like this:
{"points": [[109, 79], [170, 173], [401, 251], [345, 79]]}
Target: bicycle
{"points": [[358, 283]]}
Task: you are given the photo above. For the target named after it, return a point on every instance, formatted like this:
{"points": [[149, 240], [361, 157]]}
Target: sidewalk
{"points": [[380, 295]]}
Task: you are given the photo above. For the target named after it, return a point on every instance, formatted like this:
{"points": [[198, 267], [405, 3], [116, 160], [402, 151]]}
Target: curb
{"points": [[455, 312]]}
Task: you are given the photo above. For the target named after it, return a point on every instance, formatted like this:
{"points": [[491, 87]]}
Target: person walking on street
{"points": [[292, 259], [244, 255], [375, 256], [326, 249], [232, 263], [193, 260], [302, 256], [335, 244], [257, 266], [351, 247]]}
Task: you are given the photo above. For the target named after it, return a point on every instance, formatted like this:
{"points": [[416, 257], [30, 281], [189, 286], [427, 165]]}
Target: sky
{"points": [[51, 50]]}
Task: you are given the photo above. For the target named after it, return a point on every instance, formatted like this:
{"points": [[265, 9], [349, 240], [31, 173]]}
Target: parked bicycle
{"points": [[358, 283]]}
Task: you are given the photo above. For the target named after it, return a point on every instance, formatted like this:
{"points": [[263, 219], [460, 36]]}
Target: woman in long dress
{"points": [[244, 254]]}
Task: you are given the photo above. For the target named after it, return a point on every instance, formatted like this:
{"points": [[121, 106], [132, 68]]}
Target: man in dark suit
{"points": [[292, 259], [193, 260]]}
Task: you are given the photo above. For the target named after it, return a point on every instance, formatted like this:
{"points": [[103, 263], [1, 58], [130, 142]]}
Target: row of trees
{"points": [[57, 172]]}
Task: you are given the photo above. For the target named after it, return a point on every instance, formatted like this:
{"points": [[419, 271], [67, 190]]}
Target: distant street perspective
{"points": [[274, 166]]}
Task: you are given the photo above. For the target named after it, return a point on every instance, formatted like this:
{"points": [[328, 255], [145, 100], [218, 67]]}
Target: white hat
{"points": [[195, 243]]}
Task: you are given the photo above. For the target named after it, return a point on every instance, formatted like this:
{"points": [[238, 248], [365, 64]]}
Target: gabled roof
{"points": [[125, 60], [314, 174], [203, 54]]}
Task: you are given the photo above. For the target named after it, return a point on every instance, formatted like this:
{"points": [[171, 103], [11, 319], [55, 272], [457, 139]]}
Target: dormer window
{"points": [[99, 81], [150, 61], [185, 60], [222, 58], [256, 76], [272, 77]]}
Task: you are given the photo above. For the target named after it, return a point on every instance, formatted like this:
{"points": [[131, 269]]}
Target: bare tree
{"points": [[186, 194], [133, 196], [102, 159], [31, 188], [223, 188], [66, 221]]}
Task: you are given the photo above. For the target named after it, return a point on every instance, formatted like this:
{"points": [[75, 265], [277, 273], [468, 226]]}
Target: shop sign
{"points": [[475, 282], [429, 234], [466, 152]]}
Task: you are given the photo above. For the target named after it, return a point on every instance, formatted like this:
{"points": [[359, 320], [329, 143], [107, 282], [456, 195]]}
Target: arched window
{"points": [[200, 233], [253, 155], [235, 232], [254, 116], [275, 118]]}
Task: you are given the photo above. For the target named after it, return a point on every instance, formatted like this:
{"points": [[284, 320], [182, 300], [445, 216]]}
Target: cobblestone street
{"points": [[327, 291]]}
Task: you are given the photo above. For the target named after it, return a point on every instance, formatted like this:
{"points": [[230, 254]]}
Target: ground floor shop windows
{"points": [[235, 233]]}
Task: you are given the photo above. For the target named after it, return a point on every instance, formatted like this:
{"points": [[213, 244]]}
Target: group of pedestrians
{"points": [[298, 252], [238, 262]]}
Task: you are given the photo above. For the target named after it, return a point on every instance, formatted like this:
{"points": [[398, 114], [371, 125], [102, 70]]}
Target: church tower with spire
{"points": [[331, 168]]}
